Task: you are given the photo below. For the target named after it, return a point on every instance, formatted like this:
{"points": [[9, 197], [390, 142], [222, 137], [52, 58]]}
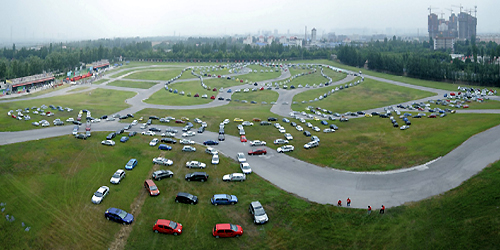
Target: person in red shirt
{"points": [[382, 210], [339, 203], [348, 202], [369, 209]]}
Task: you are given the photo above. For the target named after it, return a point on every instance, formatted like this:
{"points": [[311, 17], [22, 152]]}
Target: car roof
{"points": [[256, 204], [237, 174], [221, 196], [223, 226], [120, 171], [101, 189]]}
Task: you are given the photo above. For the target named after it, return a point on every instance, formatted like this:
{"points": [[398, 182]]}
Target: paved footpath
{"points": [[319, 184]]}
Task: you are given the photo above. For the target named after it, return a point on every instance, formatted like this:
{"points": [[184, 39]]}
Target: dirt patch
{"points": [[135, 209]]}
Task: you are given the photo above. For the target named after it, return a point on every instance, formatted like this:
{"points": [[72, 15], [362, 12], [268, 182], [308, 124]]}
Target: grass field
{"points": [[260, 76], [363, 144], [259, 96], [413, 81], [99, 102], [131, 84], [161, 75], [54, 200], [369, 94], [100, 81]]}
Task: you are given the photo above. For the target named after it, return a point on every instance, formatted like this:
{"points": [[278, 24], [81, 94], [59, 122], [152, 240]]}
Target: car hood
{"points": [[96, 199], [129, 218], [114, 180], [246, 171], [233, 198], [261, 218], [226, 177]]}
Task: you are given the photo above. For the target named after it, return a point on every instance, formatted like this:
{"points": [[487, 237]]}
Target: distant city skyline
{"points": [[60, 20]]}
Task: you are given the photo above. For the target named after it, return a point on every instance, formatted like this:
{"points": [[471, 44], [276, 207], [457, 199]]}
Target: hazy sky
{"points": [[91, 19]]}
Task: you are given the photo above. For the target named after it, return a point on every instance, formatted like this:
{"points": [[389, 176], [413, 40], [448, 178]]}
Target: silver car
{"points": [[117, 176], [100, 194]]}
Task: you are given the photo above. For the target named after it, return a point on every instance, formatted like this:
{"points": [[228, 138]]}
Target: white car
{"points": [[197, 120], [117, 176], [245, 168], [162, 161], [246, 90], [186, 142], [100, 194], [70, 119], [188, 149], [286, 148], [234, 177], [188, 134], [134, 123], [288, 136], [168, 134], [282, 130], [299, 128], [247, 123], [96, 120], [309, 125], [143, 126], [195, 164], [328, 130], [215, 159], [154, 142], [108, 142], [280, 141], [150, 133], [316, 129], [226, 121], [311, 144], [257, 143], [241, 157]]}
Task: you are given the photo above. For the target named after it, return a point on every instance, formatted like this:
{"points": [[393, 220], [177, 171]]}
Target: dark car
{"points": [[221, 137], [81, 136], [111, 136], [118, 215], [271, 119], [77, 122], [161, 174], [333, 126], [210, 142], [154, 117], [265, 123], [186, 198], [104, 117], [201, 129], [123, 117], [259, 151], [154, 129], [293, 124], [169, 140], [130, 115], [133, 133], [120, 131], [307, 133], [124, 139], [197, 176], [149, 122]]}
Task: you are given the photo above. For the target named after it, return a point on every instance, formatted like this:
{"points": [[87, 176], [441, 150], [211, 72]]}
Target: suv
{"points": [[286, 148], [197, 176], [227, 230], [158, 175], [151, 187], [186, 198], [311, 144], [258, 213], [224, 199], [111, 136]]}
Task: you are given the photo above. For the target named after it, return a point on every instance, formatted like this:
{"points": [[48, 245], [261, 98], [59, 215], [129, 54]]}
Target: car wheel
{"points": [[215, 204], [202, 180], [232, 203], [124, 223], [175, 233], [159, 178], [217, 236], [188, 179], [177, 201], [237, 235], [156, 231], [107, 218], [170, 176], [192, 203]]}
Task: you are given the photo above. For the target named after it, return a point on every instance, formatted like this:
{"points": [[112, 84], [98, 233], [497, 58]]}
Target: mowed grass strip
{"points": [[99, 101], [161, 75], [366, 95], [54, 200], [132, 84], [362, 144], [259, 96]]}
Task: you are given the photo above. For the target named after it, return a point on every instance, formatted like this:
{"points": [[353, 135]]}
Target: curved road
{"points": [[318, 184]]}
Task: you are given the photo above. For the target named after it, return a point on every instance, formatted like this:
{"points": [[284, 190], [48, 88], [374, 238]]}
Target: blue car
{"points": [[210, 142], [164, 147], [118, 215], [324, 123], [224, 199], [124, 139], [131, 164], [229, 91]]}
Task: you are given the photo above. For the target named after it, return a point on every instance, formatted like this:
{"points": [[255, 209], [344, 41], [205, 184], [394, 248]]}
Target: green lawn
{"points": [[54, 200], [100, 81], [259, 96], [369, 94], [313, 78], [40, 92], [99, 102], [131, 84], [363, 144], [161, 75], [487, 104]]}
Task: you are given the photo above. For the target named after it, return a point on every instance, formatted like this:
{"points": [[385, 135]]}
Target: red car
{"points": [[466, 106], [87, 129], [179, 121], [212, 97], [227, 230], [241, 80], [432, 116], [215, 89], [196, 95], [167, 227], [243, 138], [259, 151], [262, 88], [218, 76]]}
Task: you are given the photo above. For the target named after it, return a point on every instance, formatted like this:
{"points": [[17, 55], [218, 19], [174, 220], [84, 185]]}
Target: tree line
{"points": [[417, 60]]}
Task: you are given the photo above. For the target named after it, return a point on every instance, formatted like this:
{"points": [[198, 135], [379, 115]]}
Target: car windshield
{"points": [[228, 196], [245, 166], [130, 163], [172, 225], [122, 214], [98, 194], [153, 188], [116, 175], [259, 211], [234, 227]]}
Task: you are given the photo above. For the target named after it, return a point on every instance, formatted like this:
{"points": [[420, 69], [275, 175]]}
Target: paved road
{"points": [[325, 185]]}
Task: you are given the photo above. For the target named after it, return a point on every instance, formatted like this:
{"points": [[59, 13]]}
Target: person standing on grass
{"points": [[348, 202], [382, 210], [369, 209], [339, 203]]}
